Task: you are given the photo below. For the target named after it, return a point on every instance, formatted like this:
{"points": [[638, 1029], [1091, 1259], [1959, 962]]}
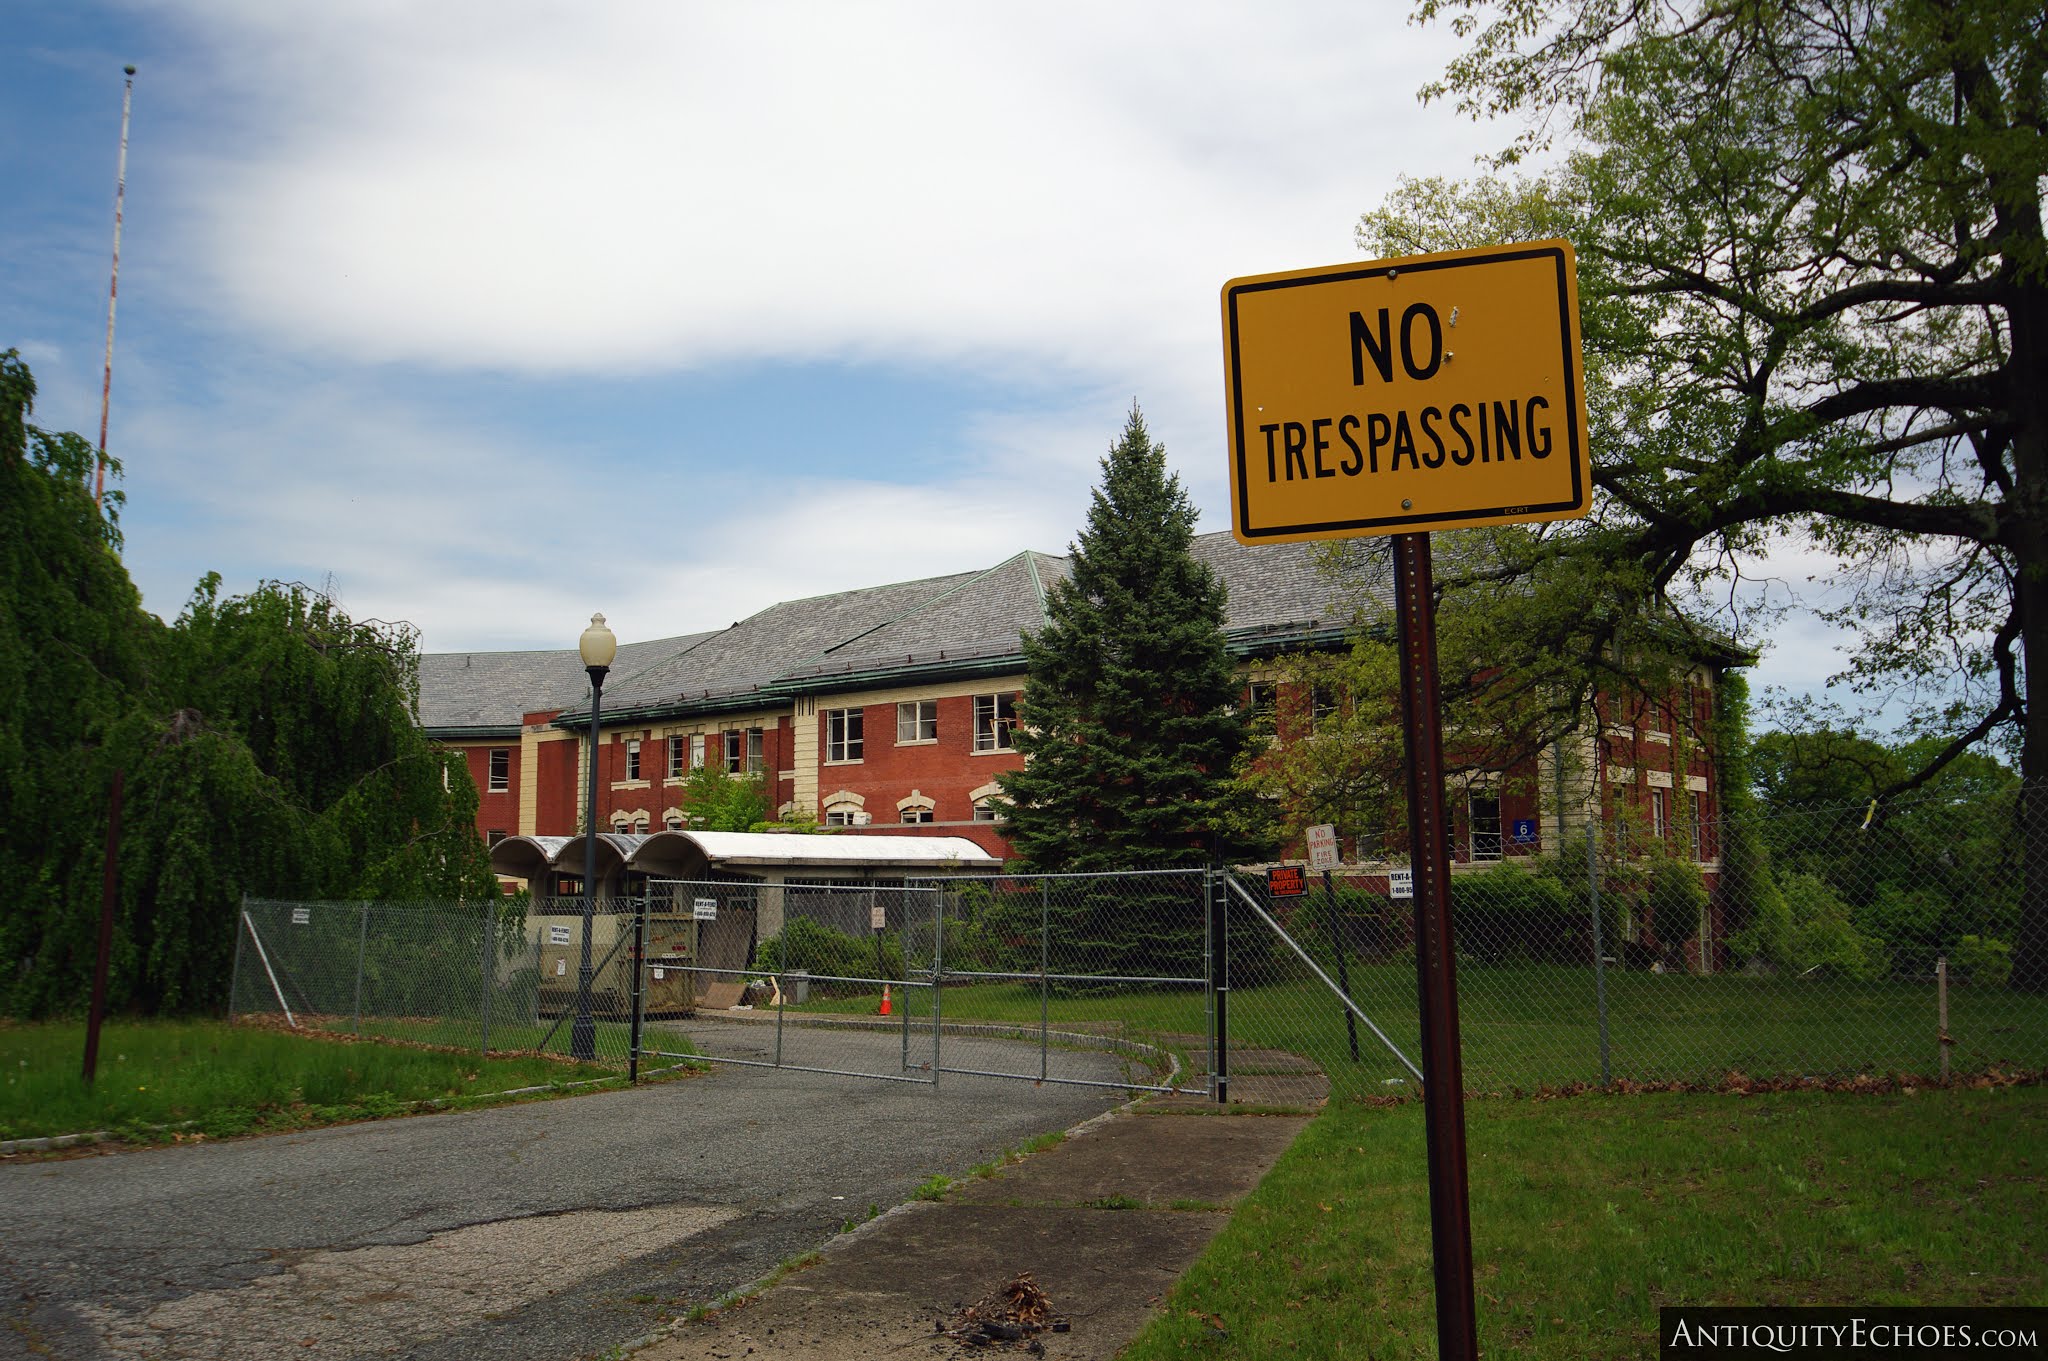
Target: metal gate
{"points": [[1099, 980]]}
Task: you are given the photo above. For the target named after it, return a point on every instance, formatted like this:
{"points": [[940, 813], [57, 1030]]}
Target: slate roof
{"points": [[943, 627], [488, 693], [731, 667]]}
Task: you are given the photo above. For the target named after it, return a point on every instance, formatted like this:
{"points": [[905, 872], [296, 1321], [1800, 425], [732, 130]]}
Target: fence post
{"points": [[1044, 967], [235, 978], [938, 993], [1219, 984], [362, 948], [1343, 969], [639, 988], [1942, 1041], [489, 976], [1599, 943]]}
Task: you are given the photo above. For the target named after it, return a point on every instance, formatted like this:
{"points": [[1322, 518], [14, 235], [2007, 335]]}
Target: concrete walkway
{"points": [[1104, 1223]]}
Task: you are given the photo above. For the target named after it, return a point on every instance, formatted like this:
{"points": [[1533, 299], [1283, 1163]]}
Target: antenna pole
{"points": [[99, 479]]}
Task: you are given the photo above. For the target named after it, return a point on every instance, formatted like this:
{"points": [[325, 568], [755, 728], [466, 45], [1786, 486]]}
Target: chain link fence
{"points": [[1039, 976], [493, 977], [1828, 943]]}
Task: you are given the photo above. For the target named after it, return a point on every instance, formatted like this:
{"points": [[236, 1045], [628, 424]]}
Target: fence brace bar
{"points": [[264, 955], [1249, 901]]}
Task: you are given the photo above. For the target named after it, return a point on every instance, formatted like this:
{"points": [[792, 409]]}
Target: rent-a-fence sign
{"points": [[1396, 396]]}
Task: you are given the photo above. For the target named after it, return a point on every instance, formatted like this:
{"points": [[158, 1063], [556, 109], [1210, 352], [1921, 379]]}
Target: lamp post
{"points": [[598, 646]]}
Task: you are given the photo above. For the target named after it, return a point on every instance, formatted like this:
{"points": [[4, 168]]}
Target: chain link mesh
{"points": [[490, 977], [1822, 944], [1825, 944]]}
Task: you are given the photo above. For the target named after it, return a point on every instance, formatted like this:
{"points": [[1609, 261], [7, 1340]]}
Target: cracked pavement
{"points": [[552, 1229]]}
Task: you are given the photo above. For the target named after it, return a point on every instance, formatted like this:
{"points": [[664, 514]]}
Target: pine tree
{"points": [[1130, 721]]}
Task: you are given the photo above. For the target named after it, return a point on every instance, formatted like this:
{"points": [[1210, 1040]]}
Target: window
{"points": [[494, 836], [843, 733], [756, 762], [840, 817], [1483, 810], [735, 751], [1258, 702], [501, 769], [1322, 705], [986, 812], [697, 752], [1660, 812], [633, 758], [916, 814], [676, 750], [673, 821], [917, 720], [995, 717], [1698, 840]]}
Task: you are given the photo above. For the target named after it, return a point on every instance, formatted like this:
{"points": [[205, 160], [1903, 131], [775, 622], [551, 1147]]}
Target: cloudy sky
{"points": [[486, 315]]}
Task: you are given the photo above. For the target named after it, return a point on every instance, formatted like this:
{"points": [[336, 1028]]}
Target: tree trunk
{"points": [[2029, 361]]}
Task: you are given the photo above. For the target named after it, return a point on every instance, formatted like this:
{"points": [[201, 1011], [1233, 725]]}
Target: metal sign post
{"points": [[1395, 397], [1443, 1085]]}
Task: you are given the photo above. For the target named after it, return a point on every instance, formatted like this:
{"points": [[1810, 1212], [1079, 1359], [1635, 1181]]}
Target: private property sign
{"points": [[1401, 396]]}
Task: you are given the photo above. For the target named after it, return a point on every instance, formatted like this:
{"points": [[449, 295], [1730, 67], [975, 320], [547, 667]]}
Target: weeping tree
{"points": [[267, 740]]}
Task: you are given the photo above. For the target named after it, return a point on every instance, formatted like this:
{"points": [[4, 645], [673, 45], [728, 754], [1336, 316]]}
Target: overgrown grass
{"points": [[1527, 1026], [1590, 1213], [215, 1079]]}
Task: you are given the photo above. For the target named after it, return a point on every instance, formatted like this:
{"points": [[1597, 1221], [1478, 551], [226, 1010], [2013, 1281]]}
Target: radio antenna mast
{"points": [[99, 479]]}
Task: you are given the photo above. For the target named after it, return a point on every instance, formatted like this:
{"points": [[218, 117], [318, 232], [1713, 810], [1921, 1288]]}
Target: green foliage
{"points": [[267, 744], [159, 1079], [713, 801], [1129, 717], [1344, 766], [1810, 931], [1985, 962], [1509, 912], [1748, 889], [1919, 871], [809, 946], [1676, 898]]}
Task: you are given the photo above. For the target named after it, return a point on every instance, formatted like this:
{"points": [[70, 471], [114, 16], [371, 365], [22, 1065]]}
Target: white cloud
{"points": [[536, 187], [484, 539]]}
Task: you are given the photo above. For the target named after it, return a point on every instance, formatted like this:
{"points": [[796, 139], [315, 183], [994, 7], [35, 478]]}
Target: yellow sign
{"points": [[1399, 396]]}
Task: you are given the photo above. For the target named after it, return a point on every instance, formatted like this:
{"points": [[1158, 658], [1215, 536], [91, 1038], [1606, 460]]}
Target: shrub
{"points": [[1984, 960], [1823, 939], [1675, 898], [1511, 913], [805, 945]]}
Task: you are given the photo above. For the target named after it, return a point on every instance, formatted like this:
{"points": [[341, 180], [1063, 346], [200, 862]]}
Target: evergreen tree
{"points": [[1130, 721]]}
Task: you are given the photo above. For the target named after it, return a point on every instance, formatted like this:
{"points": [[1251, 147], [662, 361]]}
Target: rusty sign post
{"points": [[1395, 397]]}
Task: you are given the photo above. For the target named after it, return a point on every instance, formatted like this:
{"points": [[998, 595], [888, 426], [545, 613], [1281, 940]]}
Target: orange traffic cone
{"points": [[885, 1001]]}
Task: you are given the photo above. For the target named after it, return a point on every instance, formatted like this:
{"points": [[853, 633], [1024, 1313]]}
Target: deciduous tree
{"points": [[1816, 284]]}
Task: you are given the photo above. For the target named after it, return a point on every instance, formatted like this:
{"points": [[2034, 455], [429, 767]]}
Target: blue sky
{"points": [[487, 315]]}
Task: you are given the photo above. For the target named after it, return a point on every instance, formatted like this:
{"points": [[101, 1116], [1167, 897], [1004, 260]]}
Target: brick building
{"points": [[888, 710]]}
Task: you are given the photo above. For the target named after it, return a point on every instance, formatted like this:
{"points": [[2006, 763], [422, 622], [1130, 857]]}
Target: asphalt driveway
{"points": [[548, 1230]]}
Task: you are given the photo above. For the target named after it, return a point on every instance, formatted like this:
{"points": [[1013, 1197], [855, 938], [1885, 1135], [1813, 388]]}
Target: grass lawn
{"points": [[1529, 1026], [234, 1079], [1591, 1212]]}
